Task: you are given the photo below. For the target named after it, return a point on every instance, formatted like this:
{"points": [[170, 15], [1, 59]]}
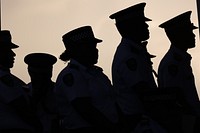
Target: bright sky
{"points": [[38, 25]]}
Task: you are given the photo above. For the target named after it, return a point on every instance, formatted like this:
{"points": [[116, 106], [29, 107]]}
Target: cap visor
{"points": [[152, 56], [98, 40], [89, 40], [147, 19], [12, 45], [194, 27]]}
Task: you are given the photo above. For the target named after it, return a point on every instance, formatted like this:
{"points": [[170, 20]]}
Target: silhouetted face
{"points": [[7, 57], [87, 53], [134, 30], [188, 38], [141, 31], [183, 38]]}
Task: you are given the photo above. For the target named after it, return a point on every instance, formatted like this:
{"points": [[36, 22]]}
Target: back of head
{"points": [[40, 63]]}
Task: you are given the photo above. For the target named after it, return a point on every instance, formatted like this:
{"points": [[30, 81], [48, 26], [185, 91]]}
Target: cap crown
{"points": [[182, 20], [80, 35], [40, 60], [134, 12], [5, 39]]}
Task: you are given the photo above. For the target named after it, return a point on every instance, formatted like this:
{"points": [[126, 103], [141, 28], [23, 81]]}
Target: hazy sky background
{"points": [[38, 25]]}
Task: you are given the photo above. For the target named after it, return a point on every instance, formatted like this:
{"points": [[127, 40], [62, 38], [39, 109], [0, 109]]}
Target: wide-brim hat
{"points": [[40, 60], [180, 21], [135, 12], [6, 40], [80, 35]]}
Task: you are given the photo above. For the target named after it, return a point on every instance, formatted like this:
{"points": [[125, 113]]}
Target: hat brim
{"points": [[9, 45], [194, 27], [152, 56], [98, 40], [89, 40], [40, 60]]}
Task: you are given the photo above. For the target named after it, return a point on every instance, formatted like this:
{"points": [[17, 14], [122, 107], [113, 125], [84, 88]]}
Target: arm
{"points": [[84, 107], [25, 112]]}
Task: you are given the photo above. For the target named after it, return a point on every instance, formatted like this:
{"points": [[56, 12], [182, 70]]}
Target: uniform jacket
{"points": [[11, 88], [175, 71], [130, 66], [75, 81]]}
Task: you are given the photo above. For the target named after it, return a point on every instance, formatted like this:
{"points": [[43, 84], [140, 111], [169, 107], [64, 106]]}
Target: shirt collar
{"points": [[76, 63], [179, 52], [133, 44]]}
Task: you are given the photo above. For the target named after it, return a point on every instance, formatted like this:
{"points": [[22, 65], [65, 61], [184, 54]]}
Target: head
{"points": [[40, 67], [132, 23], [81, 45], [179, 30], [6, 53]]}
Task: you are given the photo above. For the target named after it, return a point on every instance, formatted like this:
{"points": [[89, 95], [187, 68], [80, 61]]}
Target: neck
{"points": [[181, 48]]}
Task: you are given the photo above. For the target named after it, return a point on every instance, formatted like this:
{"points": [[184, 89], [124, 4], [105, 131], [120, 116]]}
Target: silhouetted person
{"points": [[15, 110], [84, 92], [175, 69], [40, 67], [132, 67]]}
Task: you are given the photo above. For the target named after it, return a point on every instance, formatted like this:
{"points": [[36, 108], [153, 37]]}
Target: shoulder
{"points": [[11, 81], [18, 79], [68, 70], [72, 77]]}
